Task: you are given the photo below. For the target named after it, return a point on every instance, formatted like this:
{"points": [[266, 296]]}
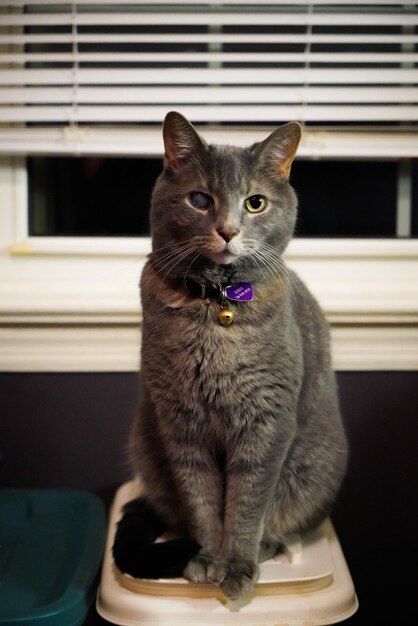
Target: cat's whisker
{"points": [[161, 262], [272, 271], [284, 278], [276, 274], [273, 261], [277, 258], [165, 260], [171, 248], [175, 244], [251, 247], [259, 266], [277, 268], [292, 281], [170, 263], [176, 259], [189, 267], [174, 262], [265, 252], [182, 250]]}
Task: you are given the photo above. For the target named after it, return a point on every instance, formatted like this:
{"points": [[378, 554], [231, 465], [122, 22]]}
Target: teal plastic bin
{"points": [[51, 546]]}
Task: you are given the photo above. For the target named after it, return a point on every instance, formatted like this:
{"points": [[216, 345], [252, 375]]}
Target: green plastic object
{"points": [[51, 546]]}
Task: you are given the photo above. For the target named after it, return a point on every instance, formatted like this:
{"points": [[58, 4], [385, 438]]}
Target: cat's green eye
{"points": [[200, 200], [255, 204]]}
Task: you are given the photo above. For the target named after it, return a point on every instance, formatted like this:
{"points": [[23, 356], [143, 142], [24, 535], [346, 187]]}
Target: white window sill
{"points": [[78, 311]]}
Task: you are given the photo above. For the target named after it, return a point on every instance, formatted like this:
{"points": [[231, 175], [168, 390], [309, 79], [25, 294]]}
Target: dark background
{"points": [[70, 431]]}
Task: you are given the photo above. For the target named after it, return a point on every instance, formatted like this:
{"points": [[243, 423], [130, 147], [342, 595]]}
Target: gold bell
{"points": [[226, 317]]}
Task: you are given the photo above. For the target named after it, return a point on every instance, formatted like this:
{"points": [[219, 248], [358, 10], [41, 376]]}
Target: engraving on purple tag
{"points": [[240, 292]]}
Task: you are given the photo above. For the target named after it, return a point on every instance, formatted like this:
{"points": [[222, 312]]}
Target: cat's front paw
{"points": [[236, 578], [197, 568]]}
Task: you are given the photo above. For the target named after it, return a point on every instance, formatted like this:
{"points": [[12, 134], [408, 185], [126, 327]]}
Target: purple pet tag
{"points": [[240, 292]]}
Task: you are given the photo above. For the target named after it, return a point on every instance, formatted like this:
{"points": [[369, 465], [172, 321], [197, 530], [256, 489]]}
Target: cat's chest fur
{"points": [[201, 369]]}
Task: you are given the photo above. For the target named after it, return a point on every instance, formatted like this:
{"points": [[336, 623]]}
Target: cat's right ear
{"points": [[182, 144], [277, 152]]}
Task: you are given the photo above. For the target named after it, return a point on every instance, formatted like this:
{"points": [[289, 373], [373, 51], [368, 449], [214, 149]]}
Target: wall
{"points": [[70, 430]]}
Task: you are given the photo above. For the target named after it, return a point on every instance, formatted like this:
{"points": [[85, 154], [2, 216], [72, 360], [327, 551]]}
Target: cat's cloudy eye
{"points": [[255, 204], [200, 200]]}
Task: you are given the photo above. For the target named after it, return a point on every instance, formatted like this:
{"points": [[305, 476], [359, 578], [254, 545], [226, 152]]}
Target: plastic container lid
{"points": [[309, 585], [51, 544]]}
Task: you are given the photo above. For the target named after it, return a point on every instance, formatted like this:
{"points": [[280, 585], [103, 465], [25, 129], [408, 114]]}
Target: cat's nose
{"points": [[227, 233]]}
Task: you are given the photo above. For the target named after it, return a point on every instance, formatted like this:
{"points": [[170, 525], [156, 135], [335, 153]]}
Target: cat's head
{"points": [[222, 205]]}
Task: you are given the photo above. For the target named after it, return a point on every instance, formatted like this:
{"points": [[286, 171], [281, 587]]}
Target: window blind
{"points": [[74, 73]]}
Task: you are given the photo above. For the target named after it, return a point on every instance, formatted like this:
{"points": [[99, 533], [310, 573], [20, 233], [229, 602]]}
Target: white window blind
{"points": [[99, 75]]}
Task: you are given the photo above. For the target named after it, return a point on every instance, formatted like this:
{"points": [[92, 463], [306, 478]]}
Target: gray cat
{"points": [[239, 440]]}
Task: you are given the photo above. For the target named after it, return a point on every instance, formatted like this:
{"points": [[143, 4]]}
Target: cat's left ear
{"points": [[181, 142], [278, 150]]}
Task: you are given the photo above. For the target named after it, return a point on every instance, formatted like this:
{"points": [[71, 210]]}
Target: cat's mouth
{"points": [[226, 254], [223, 258]]}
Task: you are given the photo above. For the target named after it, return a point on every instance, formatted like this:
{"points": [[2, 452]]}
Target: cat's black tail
{"points": [[135, 551]]}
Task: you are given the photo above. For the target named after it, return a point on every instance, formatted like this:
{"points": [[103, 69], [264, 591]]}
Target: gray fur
{"points": [[239, 439]]}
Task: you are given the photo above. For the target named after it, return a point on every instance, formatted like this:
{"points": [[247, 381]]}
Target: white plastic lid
{"points": [[309, 584]]}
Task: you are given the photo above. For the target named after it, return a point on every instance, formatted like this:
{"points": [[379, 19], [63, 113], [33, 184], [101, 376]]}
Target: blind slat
{"points": [[202, 95], [211, 113], [204, 19], [124, 140], [184, 76], [242, 38], [211, 57]]}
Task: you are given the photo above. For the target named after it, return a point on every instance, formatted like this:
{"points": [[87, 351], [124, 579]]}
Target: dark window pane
{"points": [[346, 198], [91, 196], [111, 197]]}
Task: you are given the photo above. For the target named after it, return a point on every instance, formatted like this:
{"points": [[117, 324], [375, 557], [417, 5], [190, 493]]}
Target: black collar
{"points": [[202, 290]]}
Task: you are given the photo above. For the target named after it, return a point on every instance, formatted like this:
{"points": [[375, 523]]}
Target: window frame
{"points": [[72, 304]]}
